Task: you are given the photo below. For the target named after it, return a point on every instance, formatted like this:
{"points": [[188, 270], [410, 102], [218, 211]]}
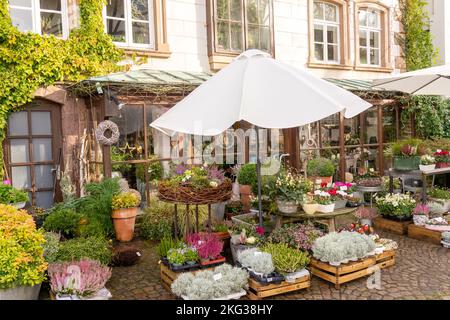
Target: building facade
{"points": [[178, 44]]}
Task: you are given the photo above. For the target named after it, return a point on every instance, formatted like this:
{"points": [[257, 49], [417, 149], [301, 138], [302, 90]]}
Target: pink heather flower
{"points": [[7, 182], [260, 230]]}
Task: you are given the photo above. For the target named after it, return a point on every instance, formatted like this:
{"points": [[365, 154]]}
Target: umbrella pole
{"points": [[258, 175]]}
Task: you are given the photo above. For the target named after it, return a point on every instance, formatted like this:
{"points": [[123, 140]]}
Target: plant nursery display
{"points": [[299, 236], [195, 185], [22, 263], [224, 282], [76, 280], [336, 248], [320, 169], [256, 261], [396, 206], [124, 211], [286, 260], [365, 215], [442, 158], [11, 195], [208, 247], [427, 162], [290, 189], [406, 154]]}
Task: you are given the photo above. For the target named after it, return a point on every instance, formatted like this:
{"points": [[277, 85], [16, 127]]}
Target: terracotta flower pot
{"points": [[124, 220], [246, 191]]}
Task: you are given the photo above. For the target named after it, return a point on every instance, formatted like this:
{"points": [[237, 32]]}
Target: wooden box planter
{"points": [[424, 234], [257, 291], [397, 227], [353, 270]]}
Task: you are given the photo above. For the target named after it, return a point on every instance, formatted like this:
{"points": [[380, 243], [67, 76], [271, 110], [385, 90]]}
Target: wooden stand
{"points": [[424, 234], [397, 227], [353, 270], [258, 291]]}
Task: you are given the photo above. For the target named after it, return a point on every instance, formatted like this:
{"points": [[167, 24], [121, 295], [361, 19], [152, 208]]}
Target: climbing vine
{"points": [[417, 40], [29, 61]]}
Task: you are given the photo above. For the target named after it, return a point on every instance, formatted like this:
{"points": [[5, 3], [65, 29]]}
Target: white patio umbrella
{"points": [[260, 90], [428, 81]]}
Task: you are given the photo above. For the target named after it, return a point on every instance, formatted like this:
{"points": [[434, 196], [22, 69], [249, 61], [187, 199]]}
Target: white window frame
{"points": [[325, 25], [367, 30], [36, 16], [129, 26]]}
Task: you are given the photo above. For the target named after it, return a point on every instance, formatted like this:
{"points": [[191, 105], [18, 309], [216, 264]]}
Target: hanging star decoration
{"points": [[127, 149]]}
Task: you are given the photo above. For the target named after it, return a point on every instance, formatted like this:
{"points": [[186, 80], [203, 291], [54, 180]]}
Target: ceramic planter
{"points": [[287, 206], [339, 204], [245, 191], [310, 208], [124, 220], [406, 163], [21, 293], [326, 208], [427, 167]]}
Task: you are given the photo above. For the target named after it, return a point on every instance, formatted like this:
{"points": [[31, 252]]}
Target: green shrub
{"points": [[65, 221], [247, 174], [125, 200], [9, 194], [155, 170], [286, 259], [88, 248], [166, 244], [51, 247], [439, 193], [154, 229], [320, 167]]}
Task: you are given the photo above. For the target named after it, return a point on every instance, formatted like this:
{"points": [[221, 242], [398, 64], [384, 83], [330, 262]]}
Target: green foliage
{"points": [[124, 200], [431, 115], [247, 174], [29, 61], [166, 244], [51, 246], [439, 193], [155, 170], [154, 228], [9, 194], [85, 248], [417, 41], [406, 148], [65, 221], [191, 255], [21, 247], [176, 256], [285, 258], [320, 167]]}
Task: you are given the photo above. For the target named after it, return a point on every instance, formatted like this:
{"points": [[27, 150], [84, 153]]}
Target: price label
{"points": [[138, 254], [217, 276], [257, 253]]}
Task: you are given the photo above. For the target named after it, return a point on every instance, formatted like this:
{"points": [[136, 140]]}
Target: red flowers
{"points": [[260, 230], [441, 153], [332, 191], [323, 185]]}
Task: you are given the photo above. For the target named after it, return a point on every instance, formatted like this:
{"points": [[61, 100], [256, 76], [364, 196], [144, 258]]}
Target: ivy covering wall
{"points": [[29, 61]]}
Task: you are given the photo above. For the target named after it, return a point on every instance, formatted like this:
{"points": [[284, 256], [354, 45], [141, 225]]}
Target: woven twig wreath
{"points": [[103, 127]]}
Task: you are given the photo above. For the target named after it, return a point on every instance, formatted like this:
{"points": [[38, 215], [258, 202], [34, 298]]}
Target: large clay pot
{"points": [[124, 220], [246, 191], [21, 293]]}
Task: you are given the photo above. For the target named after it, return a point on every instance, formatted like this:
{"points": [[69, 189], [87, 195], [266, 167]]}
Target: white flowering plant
{"points": [[323, 197], [396, 205], [427, 159], [290, 186]]}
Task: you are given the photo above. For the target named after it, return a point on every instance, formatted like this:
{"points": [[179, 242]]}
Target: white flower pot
{"points": [[19, 205], [426, 167], [310, 208], [326, 208]]}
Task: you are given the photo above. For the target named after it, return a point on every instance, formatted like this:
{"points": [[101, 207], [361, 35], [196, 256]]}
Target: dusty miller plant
{"points": [[259, 262]]}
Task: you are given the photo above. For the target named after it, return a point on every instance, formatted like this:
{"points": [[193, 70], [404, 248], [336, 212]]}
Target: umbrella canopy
{"points": [[259, 90], [429, 81]]}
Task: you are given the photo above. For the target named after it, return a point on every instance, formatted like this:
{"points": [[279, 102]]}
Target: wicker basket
{"points": [[186, 193]]}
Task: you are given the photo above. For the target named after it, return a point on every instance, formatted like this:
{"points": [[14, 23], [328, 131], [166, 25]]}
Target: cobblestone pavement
{"points": [[422, 271]]}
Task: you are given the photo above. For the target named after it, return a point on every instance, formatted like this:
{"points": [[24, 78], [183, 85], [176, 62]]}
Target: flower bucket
{"points": [[21, 293], [427, 167], [339, 204], [441, 165], [124, 220], [406, 163], [310, 208], [287, 206], [326, 208]]}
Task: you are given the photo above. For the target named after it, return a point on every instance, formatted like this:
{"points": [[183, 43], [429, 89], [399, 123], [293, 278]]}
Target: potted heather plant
{"points": [[321, 169], [208, 247], [365, 215], [427, 163], [442, 158], [420, 214], [124, 211]]}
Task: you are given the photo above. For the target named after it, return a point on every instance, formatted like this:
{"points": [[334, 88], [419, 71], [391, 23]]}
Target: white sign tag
{"points": [[217, 276]]}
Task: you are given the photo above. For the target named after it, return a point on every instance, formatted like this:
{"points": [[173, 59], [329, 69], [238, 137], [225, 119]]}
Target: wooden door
{"points": [[33, 151]]}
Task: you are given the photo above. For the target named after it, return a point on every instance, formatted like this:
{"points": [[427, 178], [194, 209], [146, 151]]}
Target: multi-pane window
{"points": [[369, 37], [129, 22], [243, 24], [46, 17], [326, 32]]}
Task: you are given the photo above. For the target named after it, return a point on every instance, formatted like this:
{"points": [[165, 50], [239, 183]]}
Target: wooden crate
{"points": [[422, 233], [397, 227], [352, 270], [257, 291], [168, 276]]}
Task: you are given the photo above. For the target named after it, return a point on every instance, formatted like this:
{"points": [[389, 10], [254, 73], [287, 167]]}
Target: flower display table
{"points": [[329, 219], [352, 270], [397, 227]]}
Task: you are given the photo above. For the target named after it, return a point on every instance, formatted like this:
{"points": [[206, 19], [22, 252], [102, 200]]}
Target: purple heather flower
{"points": [[180, 169], [8, 182]]}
